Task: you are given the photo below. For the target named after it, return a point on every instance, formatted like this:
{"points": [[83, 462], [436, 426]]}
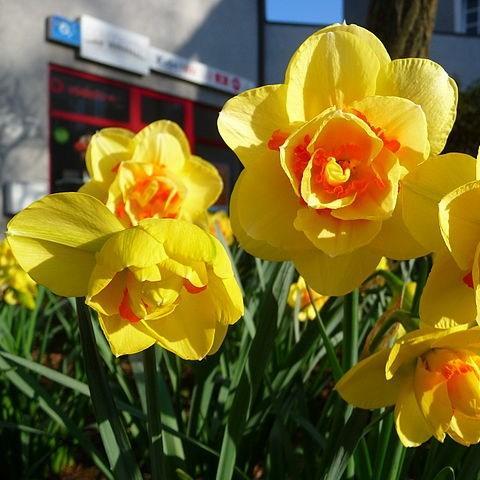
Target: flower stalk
{"points": [[114, 437], [152, 387]]}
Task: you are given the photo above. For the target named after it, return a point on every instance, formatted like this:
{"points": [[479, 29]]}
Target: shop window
{"points": [[81, 104]]}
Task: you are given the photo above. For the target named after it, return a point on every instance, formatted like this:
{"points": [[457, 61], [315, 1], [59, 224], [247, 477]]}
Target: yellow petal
{"points": [[160, 130], [427, 84], [465, 429], [394, 240], [125, 338], [203, 184], [460, 337], [181, 240], [406, 350], [460, 223], [432, 396], [424, 187], [190, 330], [105, 150], [267, 207], [401, 120], [332, 68], [95, 189], [412, 428], [476, 280], [365, 35], [132, 247], [365, 385], [220, 334], [55, 240], [334, 236], [338, 275], [247, 122], [257, 248], [446, 299], [160, 147]]}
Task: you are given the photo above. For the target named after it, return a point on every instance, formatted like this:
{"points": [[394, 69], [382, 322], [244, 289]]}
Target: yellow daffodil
{"points": [[162, 281], [433, 379], [326, 152], [220, 220], [298, 296], [16, 286], [448, 298], [150, 175]]}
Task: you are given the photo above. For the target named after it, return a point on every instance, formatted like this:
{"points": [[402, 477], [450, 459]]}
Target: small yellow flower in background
{"points": [[433, 379], [298, 295], [162, 281], [150, 175], [326, 153], [220, 220], [16, 286]]}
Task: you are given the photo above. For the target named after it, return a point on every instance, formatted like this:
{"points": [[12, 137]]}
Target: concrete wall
{"points": [[458, 54], [221, 33]]}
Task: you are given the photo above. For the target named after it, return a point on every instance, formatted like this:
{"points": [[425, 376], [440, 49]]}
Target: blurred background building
{"points": [[71, 68]]}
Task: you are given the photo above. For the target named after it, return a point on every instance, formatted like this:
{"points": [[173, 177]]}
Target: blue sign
{"points": [[63, 30]]}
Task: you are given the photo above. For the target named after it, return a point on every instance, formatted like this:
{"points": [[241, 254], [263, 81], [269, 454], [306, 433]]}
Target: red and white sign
{"points": [[197, 72]]}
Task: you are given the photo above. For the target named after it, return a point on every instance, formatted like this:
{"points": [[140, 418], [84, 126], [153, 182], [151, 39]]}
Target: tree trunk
{"points": [[404, 26]]}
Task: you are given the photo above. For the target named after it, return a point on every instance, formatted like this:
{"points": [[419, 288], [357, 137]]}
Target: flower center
{"points": [[334, 173], [468, 280], [125, 310], [191, 288]]}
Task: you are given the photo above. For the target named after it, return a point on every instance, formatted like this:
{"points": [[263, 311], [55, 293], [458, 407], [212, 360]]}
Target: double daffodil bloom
{"points": [[298, 297], [16, 286], [433, 379], [327, 151], [150, 175], [448, 298], [162, 281], [452, 292]]}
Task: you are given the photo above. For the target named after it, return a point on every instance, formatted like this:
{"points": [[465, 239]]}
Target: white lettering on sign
{"points": [[105, 43]]}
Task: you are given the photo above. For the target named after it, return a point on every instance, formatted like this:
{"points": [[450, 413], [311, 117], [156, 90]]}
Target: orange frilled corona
{"points": [[326, 154]]}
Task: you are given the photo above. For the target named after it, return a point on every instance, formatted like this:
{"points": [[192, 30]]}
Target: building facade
{"points": [[150, 59], [179, 60]]}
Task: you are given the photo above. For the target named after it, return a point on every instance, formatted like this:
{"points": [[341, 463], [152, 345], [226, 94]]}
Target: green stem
{"points": [[350, 330], [332, 357], [350, 349], [112, 431], [154, 420], [382, 445], [422, 279], [397, 461]]}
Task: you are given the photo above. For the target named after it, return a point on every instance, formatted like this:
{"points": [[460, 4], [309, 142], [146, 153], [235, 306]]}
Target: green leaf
{"points": [[112, 431], [446, 473], [269, 313]]}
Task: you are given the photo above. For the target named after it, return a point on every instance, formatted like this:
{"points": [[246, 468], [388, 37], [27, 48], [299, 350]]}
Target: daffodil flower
{"points": [[162, 281], [433, 379], [326, 153], [220, 220], [298, 295], [16, 286], [448, 298], [150, 175]]}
